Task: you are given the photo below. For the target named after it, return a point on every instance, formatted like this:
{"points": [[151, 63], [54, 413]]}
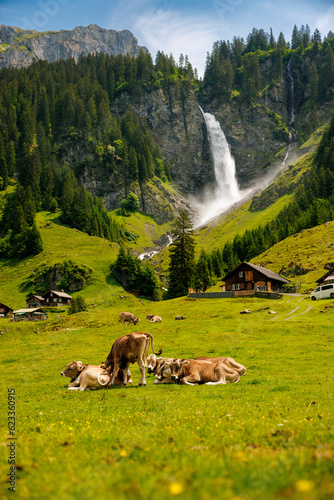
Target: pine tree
{"points": [[202, 279], [182, 256]]}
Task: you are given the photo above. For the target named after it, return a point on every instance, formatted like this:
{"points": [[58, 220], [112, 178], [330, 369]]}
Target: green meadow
{"points": [[270, 436]]}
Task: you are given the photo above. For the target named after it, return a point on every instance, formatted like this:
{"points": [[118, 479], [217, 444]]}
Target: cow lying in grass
{"points": [[90, 376], [194, 372], [158, 367], [154, 318], [230, 362]]}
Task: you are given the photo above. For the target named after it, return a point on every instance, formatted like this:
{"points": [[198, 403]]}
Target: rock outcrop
{"points": [[179, 129], [20, 48]]}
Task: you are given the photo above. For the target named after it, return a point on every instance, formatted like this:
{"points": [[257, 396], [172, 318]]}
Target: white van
{"points": [[323, 292]]}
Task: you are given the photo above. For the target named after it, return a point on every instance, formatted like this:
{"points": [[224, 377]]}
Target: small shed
{"points": [[55, 298], [30, 314], [35, 301], [5, 310], [247, 279]]}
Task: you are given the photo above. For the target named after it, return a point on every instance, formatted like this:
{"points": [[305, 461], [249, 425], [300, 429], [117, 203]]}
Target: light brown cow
{"points": [[157, 367], [128, 349], [230, 362], [194, 372], [129, 318], [153, 318], [90, 376]]}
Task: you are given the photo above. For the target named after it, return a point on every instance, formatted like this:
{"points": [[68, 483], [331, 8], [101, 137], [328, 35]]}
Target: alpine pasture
{"points": [[268, 436]]}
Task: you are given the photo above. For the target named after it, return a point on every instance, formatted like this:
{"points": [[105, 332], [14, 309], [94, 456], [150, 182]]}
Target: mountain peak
{"points": [[22, 47]]}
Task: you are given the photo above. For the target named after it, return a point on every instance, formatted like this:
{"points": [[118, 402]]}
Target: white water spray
{"points": [[227, 191]]}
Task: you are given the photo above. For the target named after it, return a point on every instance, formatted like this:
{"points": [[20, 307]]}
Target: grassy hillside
{"points": [[310, 249], [269, 436], [61, 243]]}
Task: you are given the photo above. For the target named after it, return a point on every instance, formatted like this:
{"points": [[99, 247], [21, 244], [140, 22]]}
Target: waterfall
{"points": [[292, 96], [227, 191]]}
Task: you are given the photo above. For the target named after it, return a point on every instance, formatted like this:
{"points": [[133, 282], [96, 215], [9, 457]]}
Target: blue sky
{"points": [[184, 26]]}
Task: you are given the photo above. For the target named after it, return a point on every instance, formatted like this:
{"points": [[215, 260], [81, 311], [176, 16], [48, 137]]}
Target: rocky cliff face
{"points": [[255, 133], [20, 48], [179, 128]]}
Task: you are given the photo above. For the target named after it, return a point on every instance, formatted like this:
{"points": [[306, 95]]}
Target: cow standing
{"points": [[128, 349], [129, 318]]}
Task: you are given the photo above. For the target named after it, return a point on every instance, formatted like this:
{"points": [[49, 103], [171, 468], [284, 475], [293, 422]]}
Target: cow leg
{"points": [[222, 381], [189, 380], [114, 373], [125, 375], [141, 365], [74, 384], [73, 388]]}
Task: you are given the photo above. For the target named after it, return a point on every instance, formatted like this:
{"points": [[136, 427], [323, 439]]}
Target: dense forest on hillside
{"points": [[56, 122], [48, 107]]}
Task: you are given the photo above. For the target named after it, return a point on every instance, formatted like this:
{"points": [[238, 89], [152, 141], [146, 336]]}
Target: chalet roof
{"points": [[326, 277], [266, 272], [7, 307], [37, 297], [30, 310], [60, 294]]}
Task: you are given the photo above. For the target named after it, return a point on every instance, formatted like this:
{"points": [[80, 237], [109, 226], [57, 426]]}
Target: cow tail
{"points": [[160, 350], [101, 383]]}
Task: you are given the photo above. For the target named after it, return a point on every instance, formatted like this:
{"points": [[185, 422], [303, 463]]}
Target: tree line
{"points": [[56, 124], [243, 69]]}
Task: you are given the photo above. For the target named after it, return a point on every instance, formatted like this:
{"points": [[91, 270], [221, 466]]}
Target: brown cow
{"points": [[128, 349], [153, 318], [129, 317], [157, 367], [193, 372], [230, 362], [90, 376]]}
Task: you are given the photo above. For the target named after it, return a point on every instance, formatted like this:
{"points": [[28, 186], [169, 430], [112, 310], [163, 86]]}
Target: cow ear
{"points": [[79, 365], [185, 362]]}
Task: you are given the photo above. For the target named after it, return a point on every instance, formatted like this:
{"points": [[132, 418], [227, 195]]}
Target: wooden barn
{"points": [[5, 310], [35, 301], [247, 279], [54, 298], [30, 314]]}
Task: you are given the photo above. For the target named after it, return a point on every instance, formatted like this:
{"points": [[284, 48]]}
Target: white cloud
{"points": [[175, 32], [325, 22]]}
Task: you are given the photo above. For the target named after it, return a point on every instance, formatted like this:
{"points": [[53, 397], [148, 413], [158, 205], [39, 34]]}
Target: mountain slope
{"points": [[20, 48]]}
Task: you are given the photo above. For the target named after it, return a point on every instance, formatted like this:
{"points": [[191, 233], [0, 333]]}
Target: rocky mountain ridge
{"points": [[20, 48]]}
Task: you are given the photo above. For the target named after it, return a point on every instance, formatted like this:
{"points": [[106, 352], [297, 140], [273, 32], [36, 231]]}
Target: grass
{"points": [[312, 249], [269, 436]]}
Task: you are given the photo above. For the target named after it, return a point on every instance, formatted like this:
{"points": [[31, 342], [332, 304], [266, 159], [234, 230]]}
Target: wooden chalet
{"points": [[327, 278], [35, 301], [30, 314], [247, 279], [54, 298], [5, 310]]}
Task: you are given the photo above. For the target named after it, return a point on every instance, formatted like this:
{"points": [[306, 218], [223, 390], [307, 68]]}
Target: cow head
{"points": [[73, 369], [149, 316], [159, 369], [136, 321], [151, 363], [176, 367]]}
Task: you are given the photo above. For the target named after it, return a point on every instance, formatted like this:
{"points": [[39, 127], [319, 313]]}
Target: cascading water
{"points": [[227, 191], [292, 96]]}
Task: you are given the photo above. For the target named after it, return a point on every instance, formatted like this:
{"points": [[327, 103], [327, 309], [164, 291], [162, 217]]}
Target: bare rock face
{"points": [[179, 129], [20, 48]]}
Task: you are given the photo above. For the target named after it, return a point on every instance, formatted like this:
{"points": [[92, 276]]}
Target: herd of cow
{"points": [[133, 348]]}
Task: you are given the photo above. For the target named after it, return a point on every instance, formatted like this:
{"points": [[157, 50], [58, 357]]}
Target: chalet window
{"points": [[241, 274], [60, 299], [55, 299], [237, 286], [233, 286]]}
